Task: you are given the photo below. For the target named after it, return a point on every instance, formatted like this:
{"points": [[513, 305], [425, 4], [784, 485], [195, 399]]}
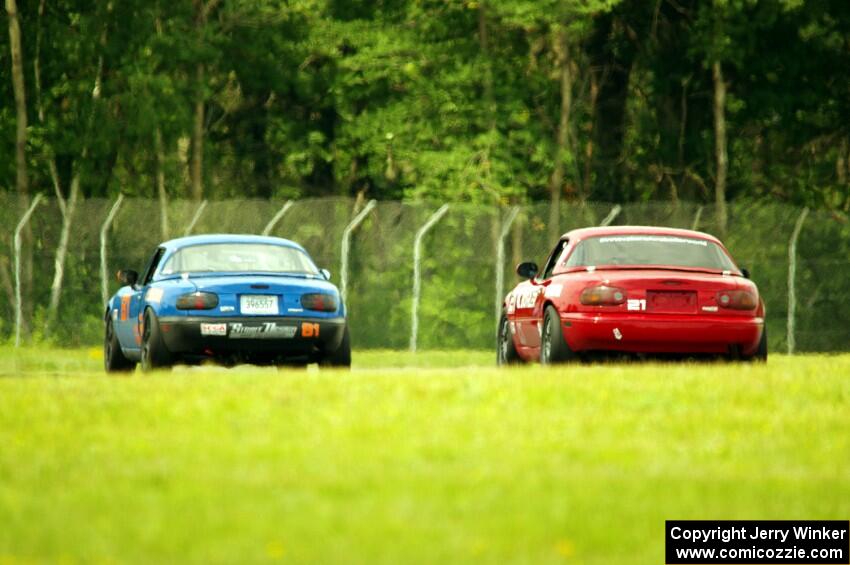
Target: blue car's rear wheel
{"points": [[154, 353], [341, 357], [114, 360]]}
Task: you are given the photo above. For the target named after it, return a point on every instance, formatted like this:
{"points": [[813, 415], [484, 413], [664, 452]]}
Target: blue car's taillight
{"points": [[319, 302], [197, 301]]}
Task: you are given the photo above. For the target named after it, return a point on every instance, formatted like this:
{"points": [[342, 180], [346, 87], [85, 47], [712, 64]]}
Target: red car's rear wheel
{"points": [[553, 346], [506, 353], [760, 356]]}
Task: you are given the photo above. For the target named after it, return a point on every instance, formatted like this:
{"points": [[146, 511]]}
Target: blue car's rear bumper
{"points": [[283, 336]]}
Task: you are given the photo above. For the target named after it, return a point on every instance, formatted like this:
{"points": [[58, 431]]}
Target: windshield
{"points": [[657, 250], [239, 257]]}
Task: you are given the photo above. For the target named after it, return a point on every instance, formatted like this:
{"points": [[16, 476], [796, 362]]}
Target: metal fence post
{"points": [[500, 261], [195, 218], [17, 243], [273, 222], [104, 229], [697, 218], [612, 215], [792, 275], [346, 245], [417, 272]]}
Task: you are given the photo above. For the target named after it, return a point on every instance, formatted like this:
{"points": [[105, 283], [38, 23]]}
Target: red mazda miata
{"points": [[633, 290]]}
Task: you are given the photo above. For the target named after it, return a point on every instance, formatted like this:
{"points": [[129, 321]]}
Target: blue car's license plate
{"points": [[258, 304]]}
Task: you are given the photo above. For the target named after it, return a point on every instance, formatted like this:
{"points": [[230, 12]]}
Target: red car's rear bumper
{"points": [[659, 333]]}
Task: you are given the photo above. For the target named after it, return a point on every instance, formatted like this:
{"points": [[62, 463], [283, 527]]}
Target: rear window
{"points": [[640, 250], [239, 257]]}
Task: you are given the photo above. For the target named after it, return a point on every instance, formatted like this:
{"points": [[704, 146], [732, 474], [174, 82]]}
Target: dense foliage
{"points": [[549, 104], [461, 99]]}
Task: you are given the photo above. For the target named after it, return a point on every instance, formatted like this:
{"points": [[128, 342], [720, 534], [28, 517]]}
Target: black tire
{"points": [[506, 353], [114, 360], [341, 357], [154, 353], [760, 356], [553, 346]]}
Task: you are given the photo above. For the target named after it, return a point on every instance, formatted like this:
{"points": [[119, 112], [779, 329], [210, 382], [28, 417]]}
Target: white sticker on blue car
{"points": [[154, 295], [213, 329]]}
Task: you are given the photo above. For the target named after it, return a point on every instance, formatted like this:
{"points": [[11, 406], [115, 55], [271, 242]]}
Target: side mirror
{"points": [[745, 272], [527, 270], [325, 273], [128, 277]]}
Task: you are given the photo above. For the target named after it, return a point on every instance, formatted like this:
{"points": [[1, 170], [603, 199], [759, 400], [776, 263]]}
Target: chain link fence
{"points": [[459, 271]]}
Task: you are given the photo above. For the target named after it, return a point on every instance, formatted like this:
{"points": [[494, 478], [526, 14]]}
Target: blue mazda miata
{"points": [[232, 298]]}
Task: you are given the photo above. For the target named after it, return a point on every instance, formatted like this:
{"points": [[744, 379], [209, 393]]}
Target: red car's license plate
{"points": [[670, 302]]}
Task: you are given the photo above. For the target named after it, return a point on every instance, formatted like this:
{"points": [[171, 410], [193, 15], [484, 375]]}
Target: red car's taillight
{"points": [[737, 299], [319, 302], [197, 301], [603, 295]]}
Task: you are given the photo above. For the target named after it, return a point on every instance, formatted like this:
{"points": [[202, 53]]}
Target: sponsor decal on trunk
{"points": [[265, 330]]}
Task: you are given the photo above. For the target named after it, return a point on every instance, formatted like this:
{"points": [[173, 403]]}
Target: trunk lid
{"points": [[255, 295], [667, 291]]}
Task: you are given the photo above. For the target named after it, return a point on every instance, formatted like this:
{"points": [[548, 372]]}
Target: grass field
{"points": [[433, 458]]}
